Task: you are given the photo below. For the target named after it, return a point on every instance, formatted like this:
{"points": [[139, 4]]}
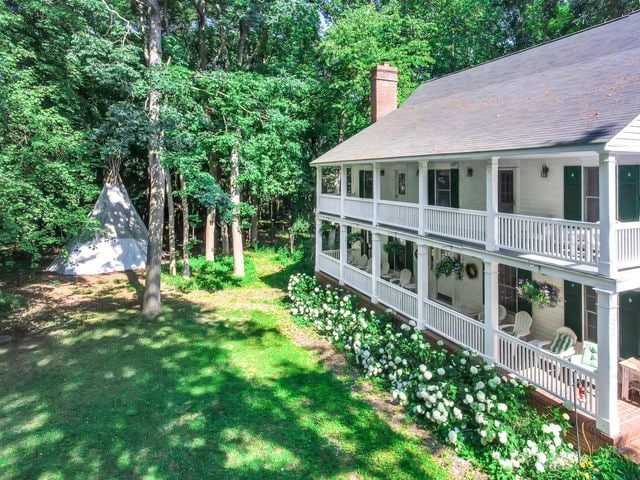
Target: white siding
{"points": [[628, 137], [473, 189], [466, 293], [388, 182]]}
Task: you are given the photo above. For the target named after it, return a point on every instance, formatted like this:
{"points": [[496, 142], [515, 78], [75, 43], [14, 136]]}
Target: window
{"points": [[401, 182], [590, 332], [349, 181], [365, 183], [443, 188], [507, 282], [591, 195]]}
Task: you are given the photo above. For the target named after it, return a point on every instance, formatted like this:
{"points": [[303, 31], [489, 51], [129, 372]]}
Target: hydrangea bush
{"points": [[465, 401]]}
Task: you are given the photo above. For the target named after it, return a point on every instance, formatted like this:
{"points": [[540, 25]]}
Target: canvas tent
{"points": [[114, 238]]}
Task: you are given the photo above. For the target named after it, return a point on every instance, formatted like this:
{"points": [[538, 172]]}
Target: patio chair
{"points": [[563, 344], [369, 263], [404, 279], [502, 314], [588, 359], [385, 271], [362, 263], [522, 326]]}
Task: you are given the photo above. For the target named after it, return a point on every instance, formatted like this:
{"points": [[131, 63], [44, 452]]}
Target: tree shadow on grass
{"points": [[190, 395]]}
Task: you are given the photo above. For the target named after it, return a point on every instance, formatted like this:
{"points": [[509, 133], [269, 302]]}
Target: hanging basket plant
{"points": [[541, 294], [448, 266]]}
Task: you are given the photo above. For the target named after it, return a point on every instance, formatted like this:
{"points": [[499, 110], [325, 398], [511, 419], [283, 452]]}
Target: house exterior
{"points": [[522, 169]]}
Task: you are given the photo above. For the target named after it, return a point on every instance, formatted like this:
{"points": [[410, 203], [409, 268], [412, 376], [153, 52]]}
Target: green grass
{"points": [[213, 389]]}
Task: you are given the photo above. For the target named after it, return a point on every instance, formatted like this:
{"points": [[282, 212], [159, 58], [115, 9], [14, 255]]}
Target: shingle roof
{"points": [[577, 90]]}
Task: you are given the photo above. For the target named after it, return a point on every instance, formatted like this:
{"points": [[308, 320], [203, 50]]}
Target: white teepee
{"points": [[114, 239]]}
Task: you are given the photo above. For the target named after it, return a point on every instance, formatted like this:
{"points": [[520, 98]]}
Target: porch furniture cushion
{"points": [[560, 344], [564, 342], [522, 326], [588, 358]]}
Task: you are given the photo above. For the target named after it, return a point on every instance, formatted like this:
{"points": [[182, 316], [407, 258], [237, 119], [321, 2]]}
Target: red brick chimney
{"points": [[384, 90]]}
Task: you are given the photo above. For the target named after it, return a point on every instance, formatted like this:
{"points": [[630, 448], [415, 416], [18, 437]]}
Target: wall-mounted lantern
{"points": [[544, 173]]}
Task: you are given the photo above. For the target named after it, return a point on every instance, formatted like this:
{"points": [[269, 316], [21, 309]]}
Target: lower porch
{"points": [[404, 276]]}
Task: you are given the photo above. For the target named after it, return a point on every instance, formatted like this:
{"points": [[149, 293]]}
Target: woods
{"points": [[216, 108]]}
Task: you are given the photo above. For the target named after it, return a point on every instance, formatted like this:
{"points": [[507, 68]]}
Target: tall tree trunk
{"points": [[172, 224], [184, 204], [151, 306], [255, 221], [224, 234], [202, 25], [236, 233], [210, 224]]}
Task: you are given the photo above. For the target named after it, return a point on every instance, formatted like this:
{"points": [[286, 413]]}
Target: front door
{"points": [[506, 191]]}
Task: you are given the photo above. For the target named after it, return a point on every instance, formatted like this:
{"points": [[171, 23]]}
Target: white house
{"points": [[524, 169]]}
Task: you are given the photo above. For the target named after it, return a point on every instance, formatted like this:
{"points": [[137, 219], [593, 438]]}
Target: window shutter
{"points": [[573, 307], [628, 193], [573, 193], [431, 187], [629, 324], [455, 188], [523, 304]]}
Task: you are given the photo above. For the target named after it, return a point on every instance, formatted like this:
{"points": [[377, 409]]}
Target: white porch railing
{"points": [[358, 279], [564, 239], [329, 203], [329, 264], [453, 325], [398, 298], [466, 225], [548, 372], [628, 244], [398, 214], [360, 208]]}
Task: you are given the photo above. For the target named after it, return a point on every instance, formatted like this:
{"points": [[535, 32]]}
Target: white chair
{"points": [[522, 326], [404, 279], [563, 344], [502, 314], [369, 263], [588, 359], [364, 260], [386, 273]]}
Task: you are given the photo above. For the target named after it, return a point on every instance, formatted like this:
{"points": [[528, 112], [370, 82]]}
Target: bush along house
{"points": [[499, 208]]}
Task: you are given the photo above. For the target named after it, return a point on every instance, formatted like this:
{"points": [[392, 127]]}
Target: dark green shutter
{"points": [[573, 193], [523, 304], [629, 333], [573, 307], [628, 193], [431, 187], [361, 183], [455, 188]]}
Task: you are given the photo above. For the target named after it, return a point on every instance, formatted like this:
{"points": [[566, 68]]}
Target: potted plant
{"points": [[395, 249], [540, 294], [448, 266]]}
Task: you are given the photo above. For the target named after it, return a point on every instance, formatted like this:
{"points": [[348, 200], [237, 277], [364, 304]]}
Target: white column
{"points": [[492, 204], [376, 192], [607, 377], [318, 184], [343, 188], [376, 249], [607, 264], [423, 192], [318, 242], [343, 252], [490, 309], [423, 280]]}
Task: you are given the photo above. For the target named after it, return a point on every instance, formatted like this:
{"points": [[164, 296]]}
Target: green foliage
{"points": [[448, 266], [212, 276], [9, 303]]}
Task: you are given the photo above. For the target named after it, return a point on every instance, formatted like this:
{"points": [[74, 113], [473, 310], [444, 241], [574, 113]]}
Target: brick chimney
{"points": [[384, 90]]}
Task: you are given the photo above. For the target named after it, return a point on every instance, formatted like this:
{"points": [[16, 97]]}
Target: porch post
{"points": [[492, 204], [343, 188], [423, 169], [608, 215], [375, 266], [318, 185], [343, 251], [607, 377], [423, 280], [318, 242], [491, 309], [376, 192]]}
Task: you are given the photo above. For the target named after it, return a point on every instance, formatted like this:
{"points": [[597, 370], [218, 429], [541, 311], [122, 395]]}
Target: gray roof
{"points": [[577, 90]]}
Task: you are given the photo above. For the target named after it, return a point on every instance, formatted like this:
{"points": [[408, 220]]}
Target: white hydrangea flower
{"points": [[441, 371], [473, 370], [503, 437]]}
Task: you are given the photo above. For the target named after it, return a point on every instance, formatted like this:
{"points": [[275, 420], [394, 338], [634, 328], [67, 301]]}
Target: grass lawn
{"points": [[213, 389]]}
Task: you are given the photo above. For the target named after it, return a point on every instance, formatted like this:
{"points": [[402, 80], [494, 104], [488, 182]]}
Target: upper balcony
{"points": [[544, 209]]}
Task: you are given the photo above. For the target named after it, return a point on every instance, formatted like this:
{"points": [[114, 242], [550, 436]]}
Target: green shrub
{"points": [[212, 276], [10, 303], [464, 400]]}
